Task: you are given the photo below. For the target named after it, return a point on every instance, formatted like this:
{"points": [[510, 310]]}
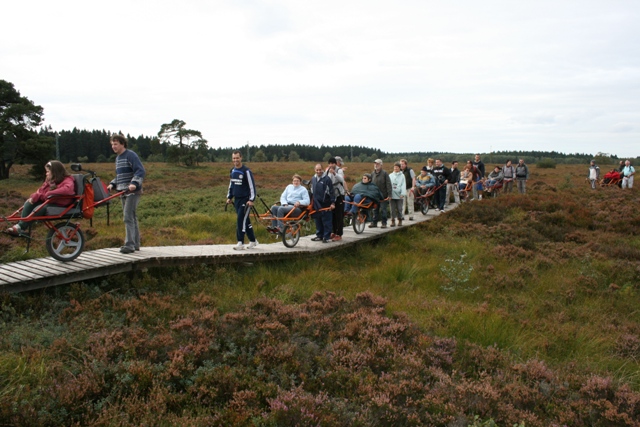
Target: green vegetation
{"points": [[520, 310]]}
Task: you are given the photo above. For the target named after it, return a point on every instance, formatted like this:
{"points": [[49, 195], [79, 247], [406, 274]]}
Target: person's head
{"points": [[118, 143], [319, 170], [397, 166], [454, 164], [55, 171], [496, 169], [621, 162], [333, 162], [403, 164], [430, 161], [477, 157], [296, 180], [377, 164], [468, 166], [593, 162], [423, 171], [236, 158], [339, 161], [521, 161], [438, 163], [366, 178], [627, 163], [508, 163]]}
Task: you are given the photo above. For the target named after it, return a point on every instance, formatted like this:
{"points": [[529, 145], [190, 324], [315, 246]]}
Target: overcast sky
{"points": [[459, 76]]}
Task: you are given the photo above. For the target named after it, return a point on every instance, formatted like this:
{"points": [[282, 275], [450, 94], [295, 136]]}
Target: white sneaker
{"points": [[252, 245], [239, 246]]}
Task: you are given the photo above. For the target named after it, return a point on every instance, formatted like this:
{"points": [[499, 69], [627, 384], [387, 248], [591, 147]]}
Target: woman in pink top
{"points": [[58, 183]]}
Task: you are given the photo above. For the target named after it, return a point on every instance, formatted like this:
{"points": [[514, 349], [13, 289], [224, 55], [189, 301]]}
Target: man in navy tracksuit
{"points": [[242, 187]]}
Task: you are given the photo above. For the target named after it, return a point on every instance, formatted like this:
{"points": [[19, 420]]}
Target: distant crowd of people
{"points": [[393, 193], [622, 177]]}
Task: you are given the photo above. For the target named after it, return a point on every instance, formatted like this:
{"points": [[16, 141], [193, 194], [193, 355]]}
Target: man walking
{"points": [[477, 163], [382, 180], [442, 174], [129, 176], [242, 187], [410, 180], [339, 188], [594, 174], [452, 185], [627, 175], [323, 198], [522, 175], [509, 173]]}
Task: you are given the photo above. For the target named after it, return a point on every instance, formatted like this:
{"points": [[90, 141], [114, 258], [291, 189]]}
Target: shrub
{"points": [[546, 163]]}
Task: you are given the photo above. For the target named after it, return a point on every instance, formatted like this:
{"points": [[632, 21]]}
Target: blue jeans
{"points": [[281, 212], [380, 213], [130, 217]]}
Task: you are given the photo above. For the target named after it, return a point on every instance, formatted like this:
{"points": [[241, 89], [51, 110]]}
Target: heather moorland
{"points": [[519, 310]]}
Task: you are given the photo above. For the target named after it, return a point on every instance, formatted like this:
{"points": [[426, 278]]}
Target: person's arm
{"points": [[138, 171], [65, 188], [252, 186]]}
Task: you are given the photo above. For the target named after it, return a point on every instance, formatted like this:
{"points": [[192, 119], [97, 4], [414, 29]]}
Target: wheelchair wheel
{"points": [[291, 235], [61, 249], [359, 220], [424, 207]]}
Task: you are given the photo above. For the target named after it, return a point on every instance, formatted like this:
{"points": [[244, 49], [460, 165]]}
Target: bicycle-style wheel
{"points": [[359, 220], [291, 235], [424, 206], [65, 242]]}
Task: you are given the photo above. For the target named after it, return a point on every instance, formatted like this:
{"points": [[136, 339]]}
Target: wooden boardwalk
{"points": [[39, 273]]}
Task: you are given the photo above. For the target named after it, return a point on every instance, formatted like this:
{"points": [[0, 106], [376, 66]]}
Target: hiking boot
{"points": [[393, 223], [383, 226], [399, 222], [374, 225], [336, 238]]}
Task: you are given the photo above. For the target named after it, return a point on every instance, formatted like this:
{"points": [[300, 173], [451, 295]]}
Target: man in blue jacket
{"points": [[242, 187], [324, 200]]}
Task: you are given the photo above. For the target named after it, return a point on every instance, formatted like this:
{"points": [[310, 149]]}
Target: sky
{"points": [[402, 76]]}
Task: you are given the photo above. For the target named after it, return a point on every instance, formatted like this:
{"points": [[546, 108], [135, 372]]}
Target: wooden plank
{"points": [[43, 272], [12, 268]]}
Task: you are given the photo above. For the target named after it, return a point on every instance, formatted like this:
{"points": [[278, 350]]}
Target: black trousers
{"points": [[338, 214]]}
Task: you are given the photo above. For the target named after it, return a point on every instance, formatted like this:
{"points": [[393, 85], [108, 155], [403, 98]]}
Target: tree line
{"points": [[24, 140]]}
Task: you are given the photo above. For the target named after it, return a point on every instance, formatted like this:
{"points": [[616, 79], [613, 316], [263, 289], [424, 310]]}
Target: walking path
{"points": [[44, 272]]}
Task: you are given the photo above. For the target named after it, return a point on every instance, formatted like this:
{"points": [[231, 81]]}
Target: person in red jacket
{"points": [[57, 183]]}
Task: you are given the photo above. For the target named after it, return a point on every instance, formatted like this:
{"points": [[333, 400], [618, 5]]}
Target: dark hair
{"points": [[120, 139], [58, 171], [333, 160], [237, 152]]}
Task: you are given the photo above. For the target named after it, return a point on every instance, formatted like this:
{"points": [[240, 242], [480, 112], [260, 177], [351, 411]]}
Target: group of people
{"points": [[391, 194], [622, 177], [59, 189]]}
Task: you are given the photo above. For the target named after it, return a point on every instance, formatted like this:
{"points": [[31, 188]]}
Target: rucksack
{"points": [[87, 201]]}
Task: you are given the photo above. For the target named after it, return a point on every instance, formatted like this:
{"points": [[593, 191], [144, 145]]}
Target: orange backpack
{"points": [[87, 212]]}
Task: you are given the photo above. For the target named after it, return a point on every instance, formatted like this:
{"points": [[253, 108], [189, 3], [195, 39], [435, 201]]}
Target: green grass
{"points": [[544, 276]]}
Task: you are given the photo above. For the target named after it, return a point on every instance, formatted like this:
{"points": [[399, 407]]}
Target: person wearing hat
{"points": [[381, 179], [594, 174], [424, 181]]}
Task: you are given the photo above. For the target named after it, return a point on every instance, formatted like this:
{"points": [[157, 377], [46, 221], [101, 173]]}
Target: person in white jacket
{"points": [[398, 191]]}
